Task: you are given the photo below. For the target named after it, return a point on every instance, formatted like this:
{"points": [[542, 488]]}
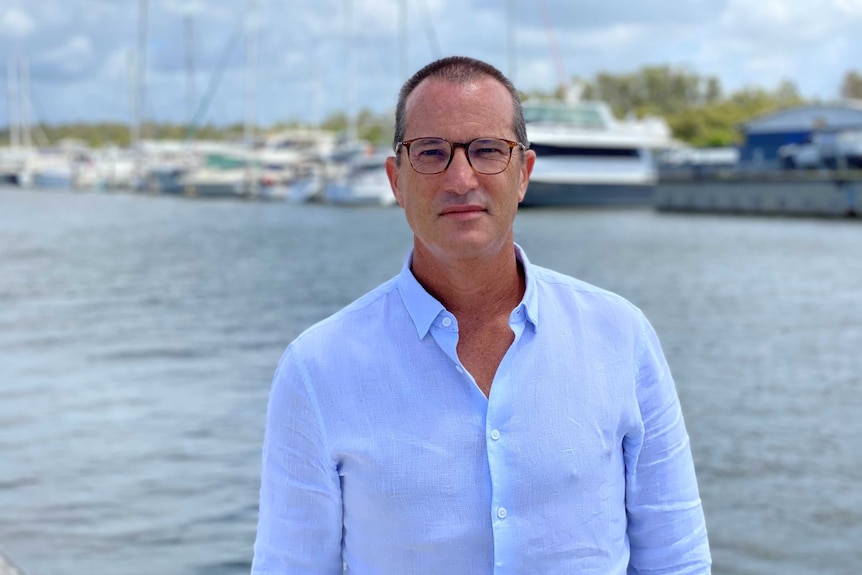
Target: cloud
{"points": [[74, 59], [16, 23], [185, 7], [849, 7], [77, 46], [759, 44]]}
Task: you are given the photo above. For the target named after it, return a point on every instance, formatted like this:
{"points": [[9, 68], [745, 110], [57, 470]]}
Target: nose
{"points": [[460, 172]]}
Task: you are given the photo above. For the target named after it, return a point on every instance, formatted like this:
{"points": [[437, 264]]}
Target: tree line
{"points": [[694, 106]]}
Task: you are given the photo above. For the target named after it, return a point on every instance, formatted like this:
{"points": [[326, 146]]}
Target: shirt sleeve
{"points": [[666, 527], [299, 522]]}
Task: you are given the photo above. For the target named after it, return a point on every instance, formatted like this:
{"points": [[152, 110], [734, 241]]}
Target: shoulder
{"points": [[576, 294], [363, 320]]}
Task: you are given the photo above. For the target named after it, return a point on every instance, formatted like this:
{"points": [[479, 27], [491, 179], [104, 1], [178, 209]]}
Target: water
{"points": [[138, 336]]}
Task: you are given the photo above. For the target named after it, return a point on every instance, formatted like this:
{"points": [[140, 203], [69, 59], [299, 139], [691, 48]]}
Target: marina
{"points": [[802, 161], [358, 178], [276, 168]]}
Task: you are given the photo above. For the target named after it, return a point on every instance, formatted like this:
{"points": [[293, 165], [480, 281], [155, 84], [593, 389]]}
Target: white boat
{"points": [[310, 183], [363, 181], [12, 163], [50, 168], [223, 170], [291, 161], [208, 182], [107, 169], [586, 157]]}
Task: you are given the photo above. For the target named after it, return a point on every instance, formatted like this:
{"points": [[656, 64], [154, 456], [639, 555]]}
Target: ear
{"points": [[526, 169], [394, 180]]}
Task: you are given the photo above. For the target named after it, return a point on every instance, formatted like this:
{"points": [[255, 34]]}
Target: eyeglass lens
{"points": [[486, 155]]}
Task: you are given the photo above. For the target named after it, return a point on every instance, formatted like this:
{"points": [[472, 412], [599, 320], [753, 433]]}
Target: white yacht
{"points": [[586, 157]]}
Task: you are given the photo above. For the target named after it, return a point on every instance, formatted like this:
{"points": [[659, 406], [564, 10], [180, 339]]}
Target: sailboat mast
{"points": [[24, 103], [555, 48], [188, 29], [250, 94], [402, 41], [511, 48], [350, 59], [13, 103], [140, 66]]}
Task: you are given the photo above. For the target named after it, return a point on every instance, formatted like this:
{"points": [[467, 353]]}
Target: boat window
{"points": [[582, 115], [583, 151]]}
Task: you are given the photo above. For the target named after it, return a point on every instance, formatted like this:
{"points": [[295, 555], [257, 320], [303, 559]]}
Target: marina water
{"points": [[139, 334]]}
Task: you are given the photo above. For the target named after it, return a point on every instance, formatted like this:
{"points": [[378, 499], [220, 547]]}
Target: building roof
{"points": [[843, 115]]}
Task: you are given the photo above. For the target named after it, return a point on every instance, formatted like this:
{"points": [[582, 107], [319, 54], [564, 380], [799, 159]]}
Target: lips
{"points": [[462, 209]]}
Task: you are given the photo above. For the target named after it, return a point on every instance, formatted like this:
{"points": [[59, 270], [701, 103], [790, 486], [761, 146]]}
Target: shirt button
{"points": [[501, 513], [447, 321], [495, 435], [459, 369]]}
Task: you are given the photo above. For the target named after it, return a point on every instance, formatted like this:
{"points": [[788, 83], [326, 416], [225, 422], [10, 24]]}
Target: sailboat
{"points": [[357, 174]]}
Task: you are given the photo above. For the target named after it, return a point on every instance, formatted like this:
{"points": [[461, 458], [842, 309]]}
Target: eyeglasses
{"points": [[433, 155]]}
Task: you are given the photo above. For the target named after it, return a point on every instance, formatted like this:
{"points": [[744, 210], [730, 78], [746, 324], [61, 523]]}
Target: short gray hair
{"points": [[459, 70]]}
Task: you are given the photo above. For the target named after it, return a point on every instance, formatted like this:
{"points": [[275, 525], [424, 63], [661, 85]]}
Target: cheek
{"points": [[415, 194]]}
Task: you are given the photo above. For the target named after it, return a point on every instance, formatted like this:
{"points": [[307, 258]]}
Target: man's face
{"points": [[459, 214]]}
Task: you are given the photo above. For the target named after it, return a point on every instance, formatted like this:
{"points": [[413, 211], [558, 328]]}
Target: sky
{"points": [[301, 60]]}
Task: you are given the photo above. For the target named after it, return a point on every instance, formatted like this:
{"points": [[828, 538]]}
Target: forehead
{"points": [[459, 111]]}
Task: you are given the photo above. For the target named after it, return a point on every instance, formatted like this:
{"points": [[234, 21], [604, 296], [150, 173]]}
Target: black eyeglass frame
{"points": [[453, 146]]}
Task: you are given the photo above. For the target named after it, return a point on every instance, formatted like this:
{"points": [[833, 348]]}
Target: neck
{"points": [[472, 287]]}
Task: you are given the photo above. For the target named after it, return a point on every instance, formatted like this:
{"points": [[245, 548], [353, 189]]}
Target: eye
{"points": [[430, 150], [430, 153], [489, 149]]}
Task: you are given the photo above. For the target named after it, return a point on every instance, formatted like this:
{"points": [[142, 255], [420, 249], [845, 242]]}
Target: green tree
{"points": [[717, 123], [659, 90], [851, 87], [336, 122]]}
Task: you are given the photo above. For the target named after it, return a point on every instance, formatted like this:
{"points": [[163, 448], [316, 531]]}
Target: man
{"points": [[475, 414]]}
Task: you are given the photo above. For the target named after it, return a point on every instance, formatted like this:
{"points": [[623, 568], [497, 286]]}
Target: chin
{"points": [[468, 246]]}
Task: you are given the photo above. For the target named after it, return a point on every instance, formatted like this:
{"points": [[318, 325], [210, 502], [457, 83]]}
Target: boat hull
{"points": [[542, 193], [358, 194]]}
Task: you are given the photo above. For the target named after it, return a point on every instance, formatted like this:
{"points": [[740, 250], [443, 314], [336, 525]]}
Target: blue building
{"points": [[764, 135]]}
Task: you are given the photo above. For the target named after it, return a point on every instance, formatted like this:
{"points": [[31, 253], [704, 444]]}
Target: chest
{"points": [[482, 350], [551, 426]]}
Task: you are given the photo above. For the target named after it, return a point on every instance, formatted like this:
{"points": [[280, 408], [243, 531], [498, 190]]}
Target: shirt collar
{"points": [[424, 308], [530, 301]]}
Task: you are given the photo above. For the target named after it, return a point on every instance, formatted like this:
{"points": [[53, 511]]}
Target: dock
{"points": [[822, 193]]}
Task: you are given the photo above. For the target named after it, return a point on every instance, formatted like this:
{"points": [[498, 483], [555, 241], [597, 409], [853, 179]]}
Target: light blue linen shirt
{"points": [[381, 452]]}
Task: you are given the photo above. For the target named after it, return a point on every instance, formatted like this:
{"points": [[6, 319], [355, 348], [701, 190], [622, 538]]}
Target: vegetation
{"points": [[376, 128], [851, 87], [694, 106], [369, 126]]}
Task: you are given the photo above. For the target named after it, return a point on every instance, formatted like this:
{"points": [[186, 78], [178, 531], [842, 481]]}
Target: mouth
{"points": [[463, 212]]}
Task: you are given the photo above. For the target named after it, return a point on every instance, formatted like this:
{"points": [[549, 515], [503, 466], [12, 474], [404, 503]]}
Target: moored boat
{"points": [[363, 182], [585, 157]]}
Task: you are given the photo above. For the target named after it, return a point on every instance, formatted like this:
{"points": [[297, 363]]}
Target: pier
{"points": [[822, 193]]}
